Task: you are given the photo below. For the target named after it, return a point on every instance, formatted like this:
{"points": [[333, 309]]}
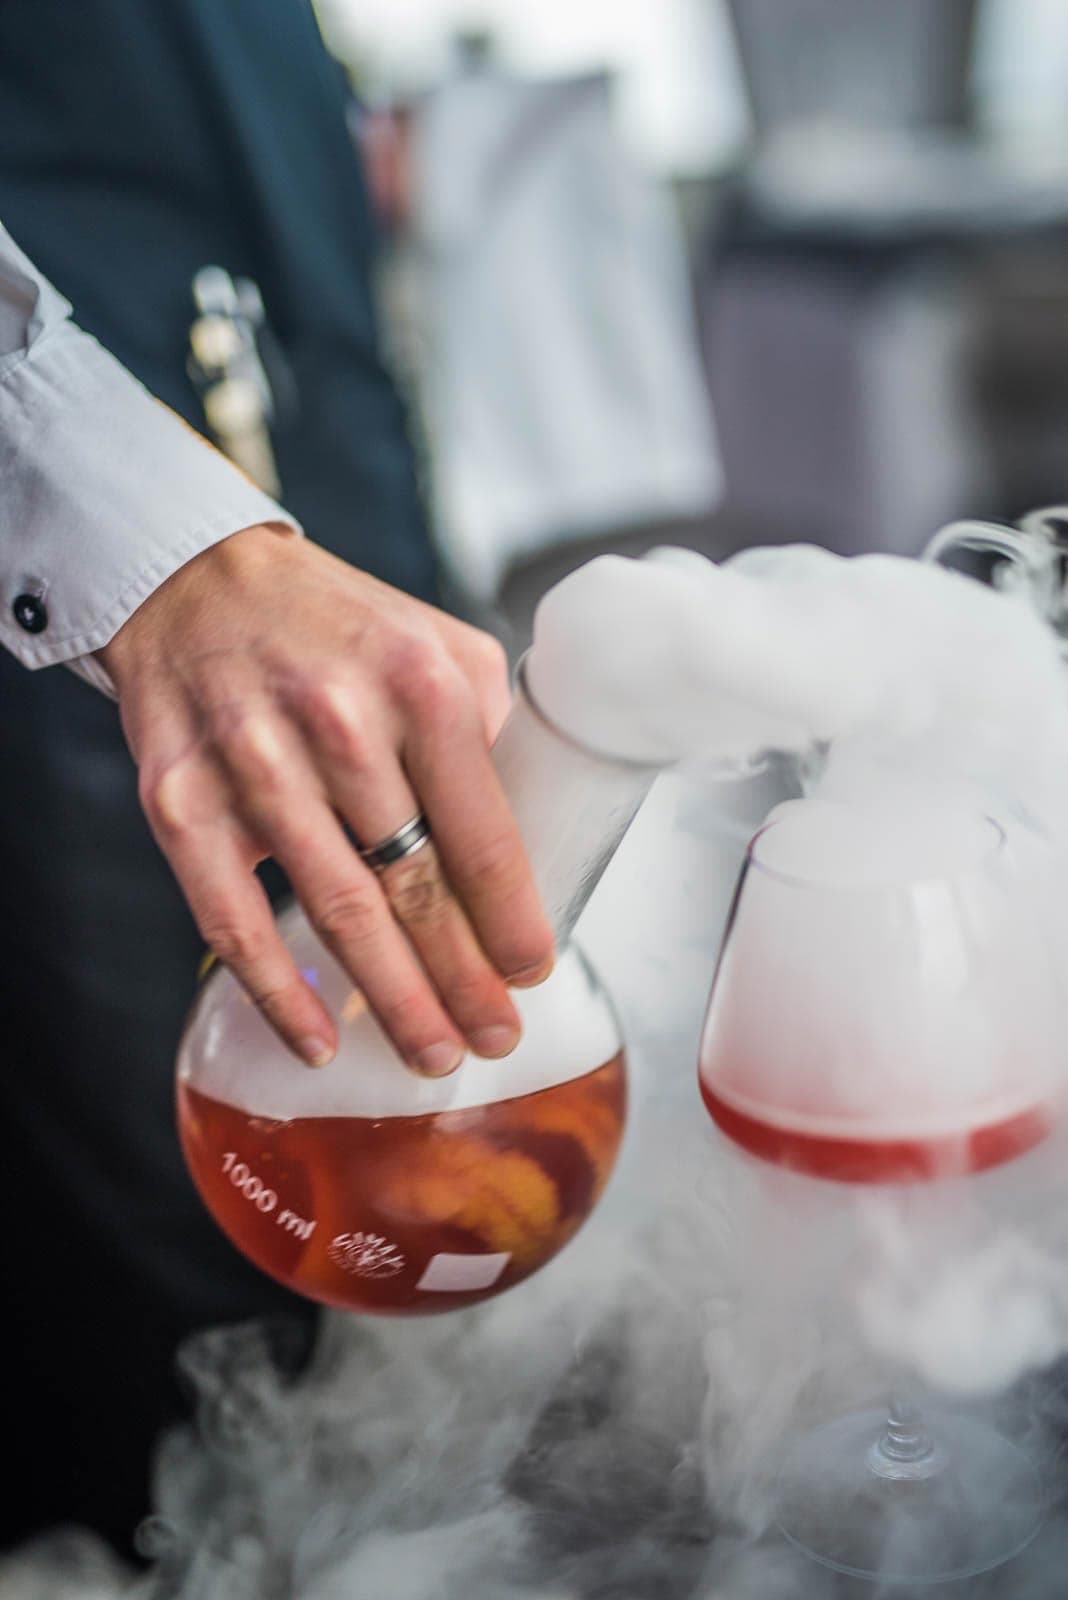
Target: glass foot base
{"points": [[977, 1503]]}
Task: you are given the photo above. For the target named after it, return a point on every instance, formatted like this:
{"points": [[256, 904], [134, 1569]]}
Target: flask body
{"points": [[369, 1189]]}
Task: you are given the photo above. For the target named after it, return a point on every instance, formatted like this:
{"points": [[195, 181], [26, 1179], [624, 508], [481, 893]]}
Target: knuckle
{"points": [[404, 1004], [235, 943], [159, 801], [348, 915], [411, 1016], [332, 715], [473, 995], [273, 999], [418, 894], [492, 658], [166, 800], [254, 748], [423, 677], [498, 863]]}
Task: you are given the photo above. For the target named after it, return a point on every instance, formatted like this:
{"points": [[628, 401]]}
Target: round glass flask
{"points": [[370, 1189]]}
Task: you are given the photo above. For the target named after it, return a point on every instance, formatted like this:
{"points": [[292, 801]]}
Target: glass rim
{"points": [[826, 885], [605, 757]]}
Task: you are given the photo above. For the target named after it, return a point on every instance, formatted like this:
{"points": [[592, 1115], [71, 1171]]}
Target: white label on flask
{"points": [[447, 1273]]}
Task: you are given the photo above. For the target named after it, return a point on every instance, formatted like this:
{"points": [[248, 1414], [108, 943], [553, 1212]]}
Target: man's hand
{"points": [[270, 693]]}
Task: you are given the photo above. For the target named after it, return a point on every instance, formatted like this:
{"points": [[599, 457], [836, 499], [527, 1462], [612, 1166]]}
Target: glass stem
{"points": [[905, 1449]]}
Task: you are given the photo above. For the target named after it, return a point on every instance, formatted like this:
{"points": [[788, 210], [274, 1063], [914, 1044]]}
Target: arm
{"points": [[105, 492], [270, 695]]}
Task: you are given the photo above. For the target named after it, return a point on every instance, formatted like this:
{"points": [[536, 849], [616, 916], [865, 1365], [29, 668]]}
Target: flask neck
{"points": [[573, 805]]}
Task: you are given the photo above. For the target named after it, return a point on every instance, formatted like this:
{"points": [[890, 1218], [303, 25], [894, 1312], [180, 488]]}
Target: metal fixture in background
{"points": [[229, 374], [1030, 559]]}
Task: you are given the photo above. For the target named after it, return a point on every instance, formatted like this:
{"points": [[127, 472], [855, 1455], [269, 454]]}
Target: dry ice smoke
{"points": [[922, 705], [610, 1430], [891, 660]]}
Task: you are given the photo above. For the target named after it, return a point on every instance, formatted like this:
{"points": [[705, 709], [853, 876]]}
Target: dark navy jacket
{"points": [[143, 139]]}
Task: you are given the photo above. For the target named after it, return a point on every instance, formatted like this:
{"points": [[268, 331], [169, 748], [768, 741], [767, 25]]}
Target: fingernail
{"points": [[500, 1040], [438, 1060], [529, 976], [315, 1051]]}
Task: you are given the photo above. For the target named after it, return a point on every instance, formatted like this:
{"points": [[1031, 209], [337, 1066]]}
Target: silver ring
{"points": [[405, 842]]}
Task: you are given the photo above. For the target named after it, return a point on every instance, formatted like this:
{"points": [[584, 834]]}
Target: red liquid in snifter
{"points": [[881, 1160], [408, 1215]]}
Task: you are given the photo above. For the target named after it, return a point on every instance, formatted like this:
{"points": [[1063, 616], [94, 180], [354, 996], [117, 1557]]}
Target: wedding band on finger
{"points": [[405, 842]]}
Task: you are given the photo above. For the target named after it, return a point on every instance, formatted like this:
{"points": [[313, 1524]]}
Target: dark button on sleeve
{"points": [[31, 613]]}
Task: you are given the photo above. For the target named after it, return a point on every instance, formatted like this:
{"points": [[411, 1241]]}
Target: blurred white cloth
{"points": [[562, 383]]}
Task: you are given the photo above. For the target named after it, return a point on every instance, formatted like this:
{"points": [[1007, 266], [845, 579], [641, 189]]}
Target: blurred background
{"points": [[718, 272]]}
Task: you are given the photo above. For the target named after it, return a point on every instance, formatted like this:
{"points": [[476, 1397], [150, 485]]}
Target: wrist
{"points": [[218, 566]]}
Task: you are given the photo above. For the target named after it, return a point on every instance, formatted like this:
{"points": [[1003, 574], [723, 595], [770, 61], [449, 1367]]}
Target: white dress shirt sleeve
{"points": [[104, 492]]}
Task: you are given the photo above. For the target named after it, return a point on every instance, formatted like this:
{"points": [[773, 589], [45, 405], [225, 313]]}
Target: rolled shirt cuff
{"points": [[106, 493]]}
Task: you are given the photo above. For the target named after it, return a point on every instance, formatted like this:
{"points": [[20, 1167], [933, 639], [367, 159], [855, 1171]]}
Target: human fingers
{"points": [[483, 661], [447, 758], [212, 860], [279, 789], [368, 789]]}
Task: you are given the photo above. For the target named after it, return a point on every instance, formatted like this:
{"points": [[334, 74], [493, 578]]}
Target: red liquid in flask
{"points": [[852, 1159], [408, 1215]]}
